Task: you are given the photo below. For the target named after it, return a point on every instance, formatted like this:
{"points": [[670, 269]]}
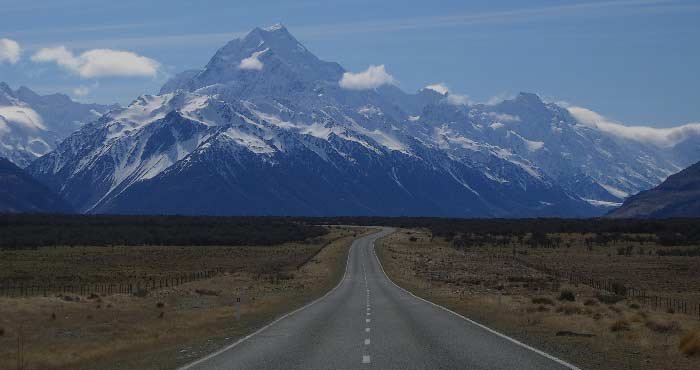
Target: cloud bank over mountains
{"points": [[9, 51], [371, 78], [661, 137], [99, 62]]}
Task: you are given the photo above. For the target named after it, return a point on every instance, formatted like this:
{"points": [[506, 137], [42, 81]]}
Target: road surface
{"points": [[367, 322]]}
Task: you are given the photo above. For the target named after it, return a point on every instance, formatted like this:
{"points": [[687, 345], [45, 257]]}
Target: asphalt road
{"points": [[367, 322]]}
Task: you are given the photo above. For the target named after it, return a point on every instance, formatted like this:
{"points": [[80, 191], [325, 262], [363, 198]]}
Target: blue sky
{"points": [[637, 62]]}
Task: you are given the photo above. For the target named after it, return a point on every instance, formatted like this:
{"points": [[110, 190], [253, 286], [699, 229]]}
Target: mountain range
{"points": [[31, 125], [267, 128]]}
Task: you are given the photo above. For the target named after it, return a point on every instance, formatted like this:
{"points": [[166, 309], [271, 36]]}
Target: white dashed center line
{"points": [[365, 358]]}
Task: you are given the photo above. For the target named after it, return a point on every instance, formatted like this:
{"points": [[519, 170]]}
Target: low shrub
{"points": [[543, 300], [206, 292], [634, 306], [2, 332], [160, 304], [590, 302], [569, 309], [567, 295], [141, 293], [610, 298], [663, 327], [539, 308], [620, 325], [568, 333]]}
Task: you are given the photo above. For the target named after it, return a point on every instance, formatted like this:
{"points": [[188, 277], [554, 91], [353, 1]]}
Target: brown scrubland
{"points": [[155, 327], [545, 294]]}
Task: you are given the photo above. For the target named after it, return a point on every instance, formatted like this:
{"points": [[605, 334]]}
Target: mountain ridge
{"points": [[31, 125]]}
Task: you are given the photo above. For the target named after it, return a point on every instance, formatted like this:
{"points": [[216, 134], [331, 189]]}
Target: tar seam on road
{"points": [[212, 355], [492, 331]]}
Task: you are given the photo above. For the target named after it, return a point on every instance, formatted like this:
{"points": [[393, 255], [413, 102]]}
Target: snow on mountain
{"points": [[31, 125], [265, 128]]}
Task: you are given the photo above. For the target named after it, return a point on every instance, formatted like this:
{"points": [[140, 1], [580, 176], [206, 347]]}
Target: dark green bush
{"points": [[567, 295]]}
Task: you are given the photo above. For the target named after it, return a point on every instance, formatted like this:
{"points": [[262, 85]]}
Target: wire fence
{"points": [[22, 288], [654, 302]]}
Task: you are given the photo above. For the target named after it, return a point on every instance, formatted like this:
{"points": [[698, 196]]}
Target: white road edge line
{"points": [[230, 346], [367, 342], [492, 331]]}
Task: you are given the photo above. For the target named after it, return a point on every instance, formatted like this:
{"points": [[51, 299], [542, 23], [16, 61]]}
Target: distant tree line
{"points": [[675, 231], [39, 230]]}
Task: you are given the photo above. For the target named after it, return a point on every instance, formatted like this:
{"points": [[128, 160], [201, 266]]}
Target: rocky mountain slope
{"points": [[678, 196]]}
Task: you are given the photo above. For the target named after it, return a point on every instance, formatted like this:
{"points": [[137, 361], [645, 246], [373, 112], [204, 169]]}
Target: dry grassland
{"points": [[594, 330], [163, 328]]}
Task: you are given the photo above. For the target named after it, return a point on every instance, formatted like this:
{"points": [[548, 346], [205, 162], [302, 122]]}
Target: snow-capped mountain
{"points": [[31, 125], [595, 165], [266, 128]]}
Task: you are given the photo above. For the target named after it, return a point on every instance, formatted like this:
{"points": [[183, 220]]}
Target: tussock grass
{"points": [[690, 343], [663, 327]]}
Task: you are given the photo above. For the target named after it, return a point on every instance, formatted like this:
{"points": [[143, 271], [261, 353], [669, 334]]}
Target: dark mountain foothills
{"points": [[39, 230], [19, 192], [678, 196]]}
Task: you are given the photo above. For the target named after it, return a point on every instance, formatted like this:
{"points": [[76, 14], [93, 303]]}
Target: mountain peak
{"points": [[5, 87], [529, 98], [265, 60], [277, 27], [24, 92]]}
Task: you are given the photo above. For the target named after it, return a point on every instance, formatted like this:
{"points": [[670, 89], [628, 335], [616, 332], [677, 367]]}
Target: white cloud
{"points": [[503, 117], [496, 99], [372, 77], [439, 88], [9, 51], [23, 116], [99, 62], [81, 90], [252, 62], [456, 99], [662, 137]]}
